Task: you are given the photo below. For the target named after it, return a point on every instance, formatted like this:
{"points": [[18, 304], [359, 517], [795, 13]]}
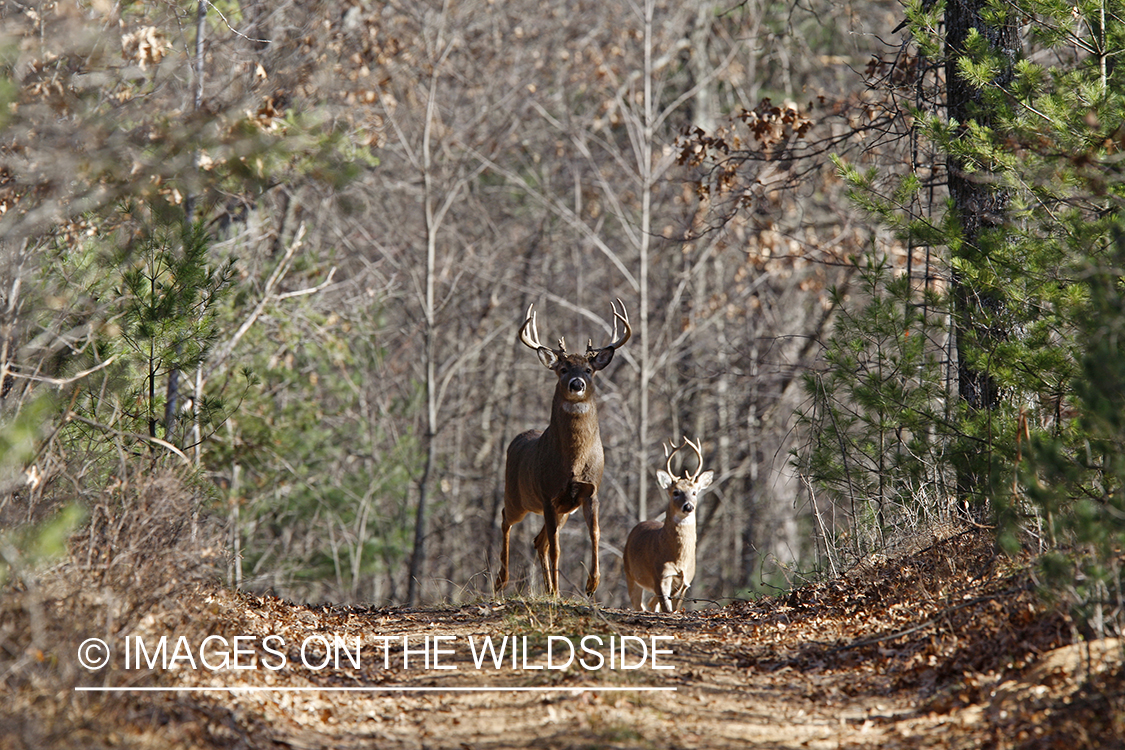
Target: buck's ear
{"points": [[664, 479], [602, 358], [705, 479], [547, 357]]}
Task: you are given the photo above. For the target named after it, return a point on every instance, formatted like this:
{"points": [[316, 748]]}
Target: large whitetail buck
{"points": [[558, 470], [660, 557]]}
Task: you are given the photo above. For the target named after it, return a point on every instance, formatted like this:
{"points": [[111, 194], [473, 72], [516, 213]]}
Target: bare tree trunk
{"points": [[703, 107], [418, 557], [644, 168], [197, 97], [172, 392]]}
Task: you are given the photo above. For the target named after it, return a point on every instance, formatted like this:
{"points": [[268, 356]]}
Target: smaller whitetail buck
{"points": [[558, 470], [660, 557]]}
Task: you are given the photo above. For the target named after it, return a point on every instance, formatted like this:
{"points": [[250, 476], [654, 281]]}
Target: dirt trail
{"points": [[724, 694], [946, 648]]}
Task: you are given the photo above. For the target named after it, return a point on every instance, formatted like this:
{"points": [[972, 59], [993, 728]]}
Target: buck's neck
{"points": [[574, 425], [679, 536]]}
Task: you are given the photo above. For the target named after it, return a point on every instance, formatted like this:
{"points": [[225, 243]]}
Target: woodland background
{"points": [[263, 266]]}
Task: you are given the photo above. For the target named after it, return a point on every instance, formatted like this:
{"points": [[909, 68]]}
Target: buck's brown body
{"points": [[558, 470], [667, 571], [660, 557]]}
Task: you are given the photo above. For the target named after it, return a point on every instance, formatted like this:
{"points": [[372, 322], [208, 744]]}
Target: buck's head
{"points": [[575, 371], [683, 492]]}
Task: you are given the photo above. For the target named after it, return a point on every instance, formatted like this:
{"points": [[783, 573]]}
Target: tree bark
{"points": [[981, 209]]}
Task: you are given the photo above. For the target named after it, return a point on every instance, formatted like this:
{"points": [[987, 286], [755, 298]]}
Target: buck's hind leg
{"points": [[505, 541]]}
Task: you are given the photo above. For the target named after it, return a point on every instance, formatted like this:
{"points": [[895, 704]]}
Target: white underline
{"points": [[235, 689]]}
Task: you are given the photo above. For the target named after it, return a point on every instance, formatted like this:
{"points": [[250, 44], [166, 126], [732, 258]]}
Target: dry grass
{"points": [[146, 544]]}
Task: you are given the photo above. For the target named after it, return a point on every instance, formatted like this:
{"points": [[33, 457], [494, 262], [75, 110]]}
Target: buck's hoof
{"points": [[592, 584]]}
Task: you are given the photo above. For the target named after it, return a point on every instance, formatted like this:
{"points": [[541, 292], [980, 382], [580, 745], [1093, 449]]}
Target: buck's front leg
{"points": [[547, 548], [669, 580], [678, 596], [636, 594], [590, 512]]}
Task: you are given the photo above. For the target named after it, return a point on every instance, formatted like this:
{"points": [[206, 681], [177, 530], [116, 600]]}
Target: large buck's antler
{"points": [[617, 343], [529, 332]]}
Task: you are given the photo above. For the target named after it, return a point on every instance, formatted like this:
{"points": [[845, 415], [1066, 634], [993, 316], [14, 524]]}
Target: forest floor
{"points": [[947, 646]]}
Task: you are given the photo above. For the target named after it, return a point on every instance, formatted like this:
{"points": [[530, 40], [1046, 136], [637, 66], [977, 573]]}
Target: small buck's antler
{"points": [[696, 446]]}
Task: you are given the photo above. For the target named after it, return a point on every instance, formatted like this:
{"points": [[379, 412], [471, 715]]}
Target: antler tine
{"points": [[697, 446], [668, 455], [623, 316], [529, 332]]}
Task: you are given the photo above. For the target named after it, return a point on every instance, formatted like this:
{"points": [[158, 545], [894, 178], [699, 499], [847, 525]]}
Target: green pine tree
{"points": [[1032, 155]]}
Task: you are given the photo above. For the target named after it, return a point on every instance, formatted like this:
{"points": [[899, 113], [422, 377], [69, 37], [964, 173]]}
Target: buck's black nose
{"points": [[688, 508], [577, 385]]}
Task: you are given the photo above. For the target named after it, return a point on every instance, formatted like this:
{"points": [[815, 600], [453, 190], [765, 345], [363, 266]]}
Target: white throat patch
{"points": [[576, 407]]}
